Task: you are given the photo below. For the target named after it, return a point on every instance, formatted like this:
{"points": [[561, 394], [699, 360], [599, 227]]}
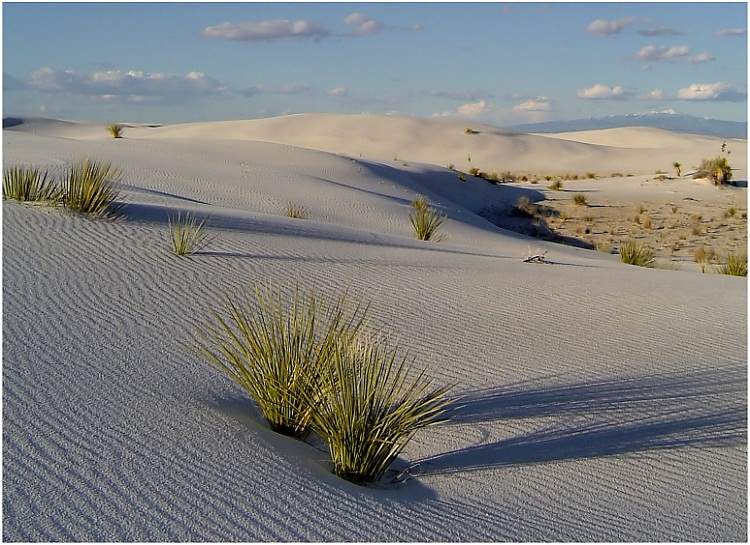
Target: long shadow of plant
{"points": [[699, 408]]}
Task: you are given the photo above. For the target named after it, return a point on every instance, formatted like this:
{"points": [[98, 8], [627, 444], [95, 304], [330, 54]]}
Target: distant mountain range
{"points": [[667, 119]]}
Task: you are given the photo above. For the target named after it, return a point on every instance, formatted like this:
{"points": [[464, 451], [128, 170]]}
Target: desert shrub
{"points": [[557, 185], [736, 265], [616, 175], [717, 170], [474, 171], [296, 211], [370, 409], [591, 175], [450, 166], [461, 177], [674, 209], [88, 187], [508, 177], [469, 130], [731, 211], [425, 220], [28, 184], [186, 234], [634, 253], [491, 177], [115, 130], [580, 199], [523, 207], [548, 178], [647, 222], [524, 178], [677, 168], [278, 349]]}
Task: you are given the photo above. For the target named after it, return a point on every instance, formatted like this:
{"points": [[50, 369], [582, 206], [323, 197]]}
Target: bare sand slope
{"points": [[603, 401]]}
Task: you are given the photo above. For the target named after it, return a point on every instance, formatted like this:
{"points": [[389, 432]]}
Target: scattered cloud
{"points": [[716, 92], [656, 94], [338, 92], [538, 104], [130, 86], [461, 95], [661, 52], [362, 25], [285, 89], [260, 31], [471, 109], [732, 32], [659, 31], [701, 58], [600, 27], [600, 91]]}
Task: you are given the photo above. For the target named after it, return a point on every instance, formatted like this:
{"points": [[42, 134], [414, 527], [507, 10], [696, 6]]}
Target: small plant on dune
{"points": [[425, 220], [523, 207], [557, 185], [580, 199], [278, 350], [507, 177], [474, 171], [548, 178], [731, 211], [591, 175], [677, 168], [115, 130], [616, 175], [461, 177], [469, 130], [450, 166], [647, 222], [88, 187], [28, 185], [736, 265], [296, 211], [186, 234], [717, 170], [370, 409], [634, 253]]}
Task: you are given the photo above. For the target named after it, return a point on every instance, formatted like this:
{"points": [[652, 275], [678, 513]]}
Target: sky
{"points": [[499, 63]]}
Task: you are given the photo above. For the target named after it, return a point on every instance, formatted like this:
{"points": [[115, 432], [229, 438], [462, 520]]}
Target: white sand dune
{"points": [[603, 401]]}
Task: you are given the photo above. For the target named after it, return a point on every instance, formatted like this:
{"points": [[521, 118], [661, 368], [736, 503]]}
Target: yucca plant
{"points": [[736, 265], [580, 199], [279, 351], [88, 187], [296, 211], [425, 220], [717, 170], [115, 130], [28, 184], [371, 409], [187, 234], [557, 185], [634, 253]]}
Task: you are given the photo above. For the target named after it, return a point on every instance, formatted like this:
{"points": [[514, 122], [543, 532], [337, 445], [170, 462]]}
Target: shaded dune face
{"points": [[601, 401]]}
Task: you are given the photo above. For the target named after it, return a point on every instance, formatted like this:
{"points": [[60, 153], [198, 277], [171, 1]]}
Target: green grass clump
{"points": [[28, 184], [634, 253], [278, 349], [736, 265], [115, 130], [717, 170], [557, 185], [187, 234], [88, 188], [370, 409], [425, 220], [296, 211], [580, 199]]}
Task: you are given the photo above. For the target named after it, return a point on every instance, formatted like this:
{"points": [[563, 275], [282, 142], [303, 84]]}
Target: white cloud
{"points": [[600, 27], [701, 58], [659, 31], [732, 32], [285, 89], [471, 109], [131, 86], [656, 94], [276, 29], [602, 92], [466, 95], [661, 52], [338, 92], [539, 104], [362, 25], [712, 92]]}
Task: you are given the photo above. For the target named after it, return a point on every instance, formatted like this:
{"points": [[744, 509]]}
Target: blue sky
{"points": [[503, 63]]}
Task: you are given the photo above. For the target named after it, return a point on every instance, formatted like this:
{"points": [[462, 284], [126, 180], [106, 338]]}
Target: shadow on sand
{"points": [[702, 408]]}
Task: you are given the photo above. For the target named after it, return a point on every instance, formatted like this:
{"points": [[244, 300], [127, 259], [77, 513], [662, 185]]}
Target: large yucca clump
{"points": [[279, 351], [425, 220], [370, 409], [736, 265], [115, 130], [28, 184], [717, 170], [633, 253], [187, 234], [88, 187]]}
